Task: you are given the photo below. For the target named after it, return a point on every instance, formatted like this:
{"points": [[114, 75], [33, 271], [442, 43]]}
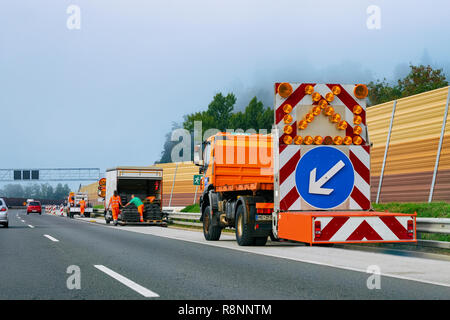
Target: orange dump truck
{"points": [[308, 181]]}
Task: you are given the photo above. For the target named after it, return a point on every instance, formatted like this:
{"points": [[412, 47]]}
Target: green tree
{"points": [[217, 115], [420, 79], [59, 192], [13, 191], [255, 116]]}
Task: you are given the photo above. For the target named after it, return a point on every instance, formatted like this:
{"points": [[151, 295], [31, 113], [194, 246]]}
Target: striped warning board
{"points": [[360, 229]]}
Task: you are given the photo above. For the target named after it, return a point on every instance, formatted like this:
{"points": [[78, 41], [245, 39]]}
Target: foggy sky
{"points": [[106, 94]]}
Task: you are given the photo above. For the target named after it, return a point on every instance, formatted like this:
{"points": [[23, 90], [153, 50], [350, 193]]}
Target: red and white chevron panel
{"points": [[290, 199], [360, 196], [289, 196], [376, 228]]}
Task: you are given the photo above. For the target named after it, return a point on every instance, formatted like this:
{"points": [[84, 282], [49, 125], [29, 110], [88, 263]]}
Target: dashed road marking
{"points": [[31, 226], [130, 284], [51, 238]]}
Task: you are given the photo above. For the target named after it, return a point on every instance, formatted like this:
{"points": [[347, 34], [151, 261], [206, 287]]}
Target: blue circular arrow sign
{"points": [[324, 177]]}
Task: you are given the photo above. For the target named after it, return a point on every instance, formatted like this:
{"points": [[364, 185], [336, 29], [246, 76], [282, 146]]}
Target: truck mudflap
{"points": [[347, 227]]}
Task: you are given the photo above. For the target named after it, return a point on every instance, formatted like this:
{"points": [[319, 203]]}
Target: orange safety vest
{"points": [[115, 201], [82, 203]]}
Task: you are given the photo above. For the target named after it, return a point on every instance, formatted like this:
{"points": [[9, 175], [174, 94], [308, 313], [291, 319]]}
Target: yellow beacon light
{"points": [[342, 125], [287, 139], [284, 90], [308, 140], [318, 140], [357, 119], [287, 108], [309, 89], [288, 129], [357, 140], [323, 103], [302, 125], [361, 91], [329, 96], [357, 130], [328, 140], [336, 90], [357, 109], [335, 118], [316, 110], [309, 117], [298, 140], [287, 119], [328, 111], [348, 140], [338, 140], [316, 96]]}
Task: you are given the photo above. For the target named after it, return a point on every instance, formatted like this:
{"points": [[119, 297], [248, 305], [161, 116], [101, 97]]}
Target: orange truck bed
{"points": [[243, 162]]}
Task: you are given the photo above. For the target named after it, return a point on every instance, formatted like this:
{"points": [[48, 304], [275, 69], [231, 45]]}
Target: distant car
{"points": [[3, 213], [34, 207]]}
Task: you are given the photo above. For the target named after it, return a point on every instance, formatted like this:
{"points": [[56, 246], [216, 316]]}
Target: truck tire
{"points": [[260, 241], [243, 230], [211, 233]]}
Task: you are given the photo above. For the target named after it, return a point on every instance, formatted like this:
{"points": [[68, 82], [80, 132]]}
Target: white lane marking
{"points": [[130, 284], [212, 244], [31, 226], [51, 238]]}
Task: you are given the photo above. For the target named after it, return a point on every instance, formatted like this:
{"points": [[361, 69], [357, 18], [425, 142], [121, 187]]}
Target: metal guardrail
{"points": [[180, 217], [424, 225], [433, 225]]}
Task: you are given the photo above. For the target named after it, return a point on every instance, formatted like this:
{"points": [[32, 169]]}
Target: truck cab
{"points": [[238, 177]]}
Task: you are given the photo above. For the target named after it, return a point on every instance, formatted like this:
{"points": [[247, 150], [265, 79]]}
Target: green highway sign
{"points": [[197, 179]]}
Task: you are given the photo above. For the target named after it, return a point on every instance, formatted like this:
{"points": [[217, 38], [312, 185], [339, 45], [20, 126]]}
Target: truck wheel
{"points": [[211, 233], [243, 230]]}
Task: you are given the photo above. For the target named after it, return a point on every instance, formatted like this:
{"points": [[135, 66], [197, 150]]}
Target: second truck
{"points": [[146, 184]]}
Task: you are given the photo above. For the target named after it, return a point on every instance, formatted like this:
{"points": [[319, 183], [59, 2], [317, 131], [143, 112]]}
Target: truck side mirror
{"points": [[201, 170], [198, 155]]}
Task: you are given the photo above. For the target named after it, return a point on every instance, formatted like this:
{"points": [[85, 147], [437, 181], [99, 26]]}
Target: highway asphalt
{"points": [[114, 264]]}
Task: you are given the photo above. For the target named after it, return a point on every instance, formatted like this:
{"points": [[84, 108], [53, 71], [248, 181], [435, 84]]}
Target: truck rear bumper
{"points": [[347, 227]]}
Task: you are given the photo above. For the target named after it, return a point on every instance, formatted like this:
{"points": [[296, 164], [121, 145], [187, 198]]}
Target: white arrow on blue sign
{"points": [[324, 177]]}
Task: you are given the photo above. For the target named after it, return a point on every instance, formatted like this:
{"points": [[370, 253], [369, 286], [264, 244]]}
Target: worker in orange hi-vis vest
{"points": [[82, 207], [115, 203]]}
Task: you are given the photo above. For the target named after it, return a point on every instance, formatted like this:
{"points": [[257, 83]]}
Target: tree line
{"points": [[220, 113], [35, 191]]}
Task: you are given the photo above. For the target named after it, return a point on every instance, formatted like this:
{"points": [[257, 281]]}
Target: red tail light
{"points": [[410, 227], [156, 185], [3, 209], [317, 229], [264, 210]]}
